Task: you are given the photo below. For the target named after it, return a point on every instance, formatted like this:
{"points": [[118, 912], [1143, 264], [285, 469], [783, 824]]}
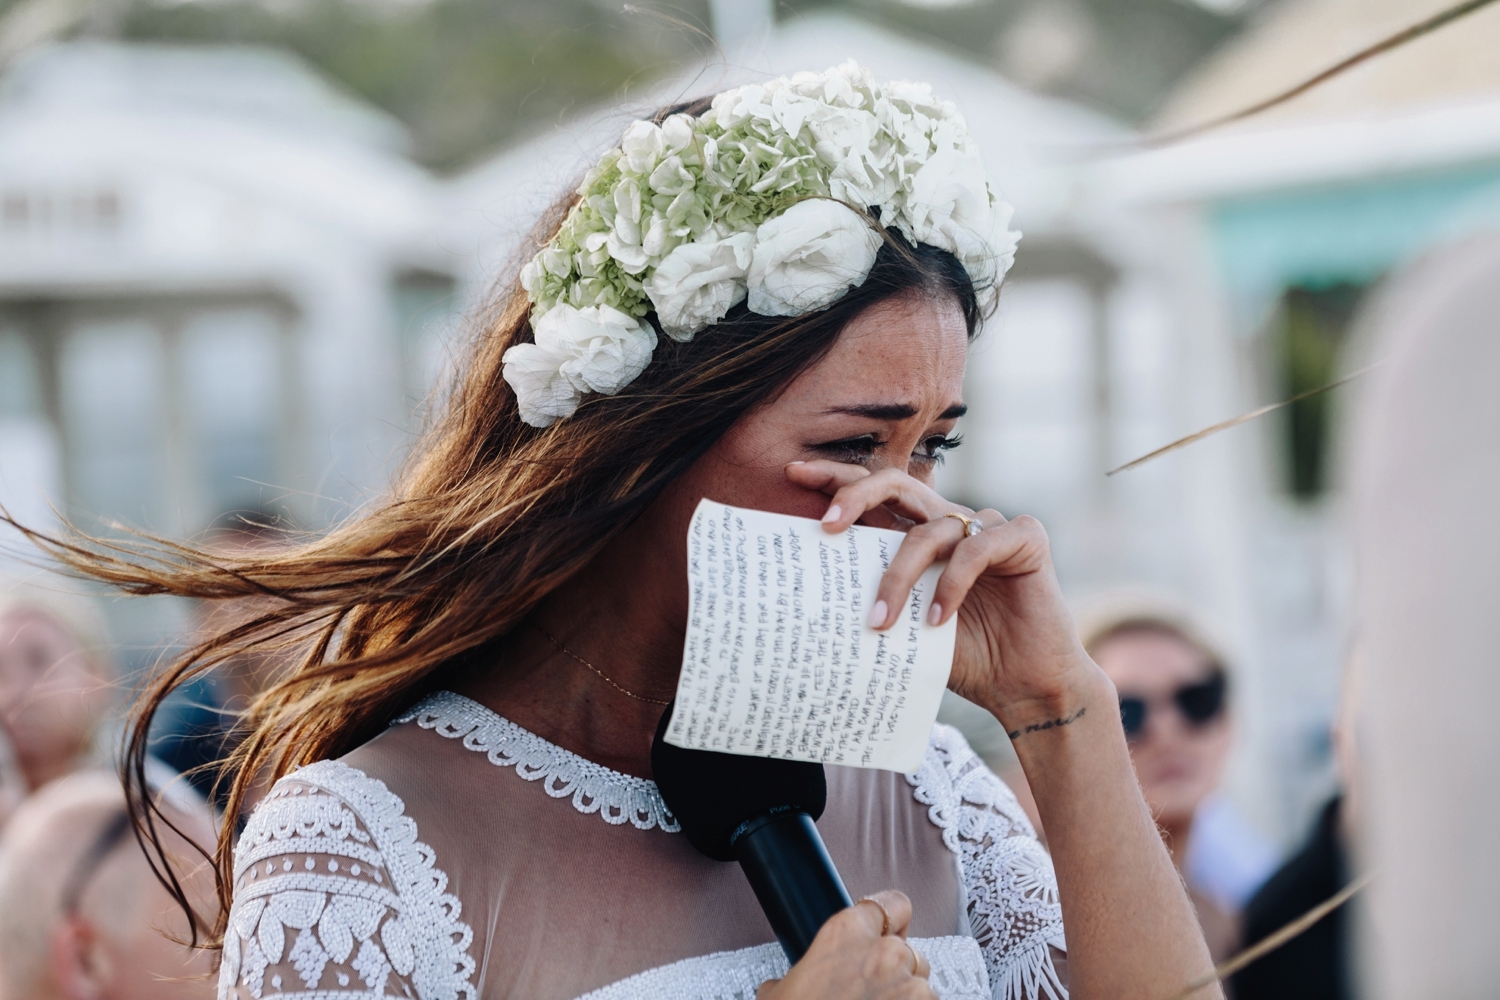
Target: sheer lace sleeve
{"points": [[1010, 887], [334, 897]]}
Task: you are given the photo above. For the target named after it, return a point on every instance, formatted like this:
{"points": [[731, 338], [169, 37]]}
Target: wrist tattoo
{"points": [[1037, 727]]}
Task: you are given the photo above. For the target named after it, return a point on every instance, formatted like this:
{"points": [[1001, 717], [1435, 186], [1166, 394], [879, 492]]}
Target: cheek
{"points": [[747, 468]]}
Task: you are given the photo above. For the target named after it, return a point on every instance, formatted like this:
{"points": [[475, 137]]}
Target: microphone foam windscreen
{"points": [[711, 794]]}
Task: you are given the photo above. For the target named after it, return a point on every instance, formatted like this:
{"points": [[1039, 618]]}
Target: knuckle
{"points": [[845, 924], [886, 958], [921, 538], [1030, 525], [899, 904]]}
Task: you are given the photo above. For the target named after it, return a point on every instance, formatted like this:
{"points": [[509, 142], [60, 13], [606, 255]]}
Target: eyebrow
{"points": [[895, 411]]}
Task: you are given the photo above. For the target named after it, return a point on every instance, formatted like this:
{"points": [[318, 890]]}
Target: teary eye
{"points": [[855, 450], [931, 449]]}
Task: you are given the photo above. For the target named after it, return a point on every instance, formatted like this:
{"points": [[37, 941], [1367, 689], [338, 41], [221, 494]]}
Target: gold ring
{"points": [[916, 960], [885, 918], [972, 526]]}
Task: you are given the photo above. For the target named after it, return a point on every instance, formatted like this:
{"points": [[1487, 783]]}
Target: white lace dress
{"points": [[460, 856]]}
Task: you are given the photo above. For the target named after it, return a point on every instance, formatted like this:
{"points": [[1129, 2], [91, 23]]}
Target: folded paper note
{"points": [[779, 660]]}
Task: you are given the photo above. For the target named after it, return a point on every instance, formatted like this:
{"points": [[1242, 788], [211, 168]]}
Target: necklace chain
{"points": [[607, 679]]}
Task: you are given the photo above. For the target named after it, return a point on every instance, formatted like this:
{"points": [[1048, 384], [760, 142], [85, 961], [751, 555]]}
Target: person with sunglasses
{"points": [[1174, 704]]}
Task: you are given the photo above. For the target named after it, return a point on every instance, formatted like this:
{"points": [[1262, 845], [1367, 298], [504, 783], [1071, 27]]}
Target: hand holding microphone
{"points": [[860, 954], [760, 813]]}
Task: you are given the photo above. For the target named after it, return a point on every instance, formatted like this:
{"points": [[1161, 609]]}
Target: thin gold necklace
{"points": [[607, 679]]}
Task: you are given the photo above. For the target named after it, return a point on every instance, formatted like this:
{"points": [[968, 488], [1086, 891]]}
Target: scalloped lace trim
{"points": [[1013, 906], [958, 973], [331, 880], [617, 798]]}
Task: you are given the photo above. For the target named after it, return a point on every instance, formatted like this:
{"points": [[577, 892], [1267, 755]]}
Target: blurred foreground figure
{"points": [[55, 683], [1174, 703], [82, 917], [1426, 478]]}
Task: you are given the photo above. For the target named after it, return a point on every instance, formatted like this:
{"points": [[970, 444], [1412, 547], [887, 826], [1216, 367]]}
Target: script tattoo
{"points": [[1037, 727]]}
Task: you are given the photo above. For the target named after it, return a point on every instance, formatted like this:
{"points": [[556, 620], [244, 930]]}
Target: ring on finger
{"points": [[916, 959], [885, 918], [971, 525]]}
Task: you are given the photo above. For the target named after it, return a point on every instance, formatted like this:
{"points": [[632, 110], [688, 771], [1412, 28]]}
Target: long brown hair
{"points": [[488, 517]]}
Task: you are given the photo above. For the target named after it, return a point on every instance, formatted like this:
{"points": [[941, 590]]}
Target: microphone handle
{"points": [[793, 877]]}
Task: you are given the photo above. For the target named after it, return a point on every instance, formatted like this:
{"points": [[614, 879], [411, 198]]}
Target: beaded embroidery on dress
{"points": [[1013, 907], [331, 858], [336, 898], [617, 798]]}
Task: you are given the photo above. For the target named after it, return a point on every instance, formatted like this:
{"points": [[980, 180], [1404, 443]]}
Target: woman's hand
{"points": [[857, 957], [1017, 653]]}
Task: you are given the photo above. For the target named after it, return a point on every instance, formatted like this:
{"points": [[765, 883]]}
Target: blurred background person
{"points": [[82, 916], [1315, 964], [56, 683], [13, 788], [1174, 700]]}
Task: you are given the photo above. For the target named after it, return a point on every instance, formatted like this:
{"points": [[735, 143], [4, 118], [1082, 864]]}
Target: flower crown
{"points": [[760, 198]]}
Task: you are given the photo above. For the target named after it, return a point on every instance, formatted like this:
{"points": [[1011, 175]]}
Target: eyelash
{"points": [[856, 450]]}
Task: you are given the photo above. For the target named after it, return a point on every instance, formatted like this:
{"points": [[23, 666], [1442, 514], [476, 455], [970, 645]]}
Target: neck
{"points": [[625, 614]]}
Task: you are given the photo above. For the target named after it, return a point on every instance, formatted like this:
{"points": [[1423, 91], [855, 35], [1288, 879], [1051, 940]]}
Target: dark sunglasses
{"points": [[1199, 704]]}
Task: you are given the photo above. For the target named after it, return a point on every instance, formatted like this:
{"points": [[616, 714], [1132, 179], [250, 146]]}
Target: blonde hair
{"points": [[1139, 609]]}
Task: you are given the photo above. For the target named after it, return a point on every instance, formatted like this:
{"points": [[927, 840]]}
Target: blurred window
{"points": [[230, 369], [20, 379], [171, 423], [113, 390], [426, 309], [1311, 328]]}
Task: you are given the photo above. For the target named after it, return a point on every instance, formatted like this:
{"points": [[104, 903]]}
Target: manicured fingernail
{"points": [[935, 616], [877, 614], [834, 513]]}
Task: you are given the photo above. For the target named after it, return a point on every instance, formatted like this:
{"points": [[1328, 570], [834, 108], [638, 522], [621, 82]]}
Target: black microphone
{"points": [[760, 813]]}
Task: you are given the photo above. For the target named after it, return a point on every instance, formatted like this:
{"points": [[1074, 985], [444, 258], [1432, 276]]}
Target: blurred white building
{"points": [[212, 266], [217, 273], [1270, 234]]}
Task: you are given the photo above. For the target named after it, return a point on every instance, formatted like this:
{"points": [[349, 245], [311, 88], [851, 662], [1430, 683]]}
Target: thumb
{"points": [[767, 989]]}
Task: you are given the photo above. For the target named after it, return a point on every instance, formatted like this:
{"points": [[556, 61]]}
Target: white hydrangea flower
{"points": [[577, 351], [697, 283], [752, 200], [807, 257]]}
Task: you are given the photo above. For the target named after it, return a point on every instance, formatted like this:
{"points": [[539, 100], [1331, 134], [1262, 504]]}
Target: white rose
{"points": [[577, 351], [949, 208], [807, 257], [697, 283]]}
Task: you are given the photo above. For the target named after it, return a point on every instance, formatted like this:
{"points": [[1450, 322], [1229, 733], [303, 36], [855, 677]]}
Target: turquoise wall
{"points": [[1350, 232]]}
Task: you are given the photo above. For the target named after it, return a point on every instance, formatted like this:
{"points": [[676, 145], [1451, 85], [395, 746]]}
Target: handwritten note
{"points": [[779, 660]]}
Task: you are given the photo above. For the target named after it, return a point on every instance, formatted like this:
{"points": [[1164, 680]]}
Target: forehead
{"points": [[1149, 660], [910, 349]]}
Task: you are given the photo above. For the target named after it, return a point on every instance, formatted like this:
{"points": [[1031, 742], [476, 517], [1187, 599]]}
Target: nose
{"points": [[1164, 723]]}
